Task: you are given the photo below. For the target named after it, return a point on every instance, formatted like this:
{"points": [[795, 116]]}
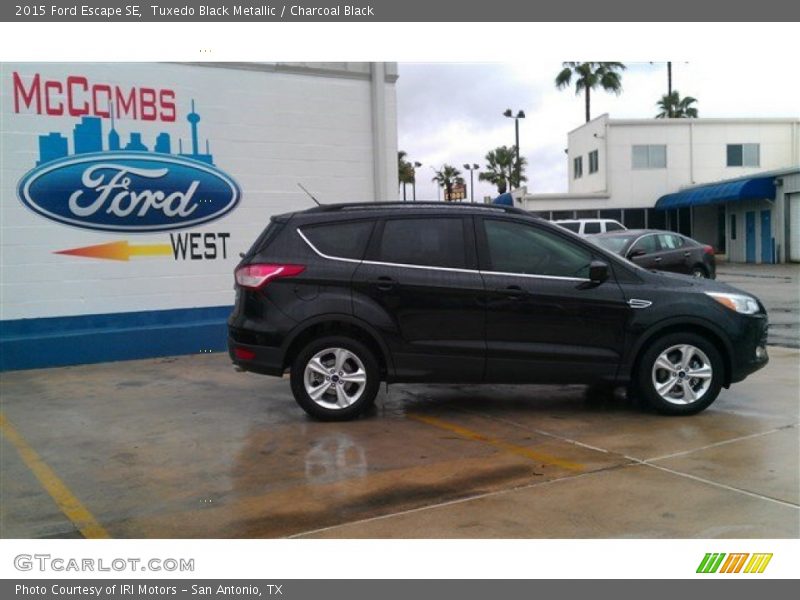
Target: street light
{"points": [[520, 115], [471, 168], [417, 165], [438, 189]]}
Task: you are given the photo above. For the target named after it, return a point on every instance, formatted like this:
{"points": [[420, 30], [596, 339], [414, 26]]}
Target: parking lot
{"points": [[187, 447]]}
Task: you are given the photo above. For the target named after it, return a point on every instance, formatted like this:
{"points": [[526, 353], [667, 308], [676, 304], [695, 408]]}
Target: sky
{"points": [[453, 112]]}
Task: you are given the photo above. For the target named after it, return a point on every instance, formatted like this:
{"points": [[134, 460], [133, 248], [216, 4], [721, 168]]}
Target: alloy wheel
{"points": [[682, 374], [335, 378]]}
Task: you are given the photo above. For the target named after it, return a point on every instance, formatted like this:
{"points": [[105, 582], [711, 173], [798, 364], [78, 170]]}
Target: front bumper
{"points": [[750, 350]]}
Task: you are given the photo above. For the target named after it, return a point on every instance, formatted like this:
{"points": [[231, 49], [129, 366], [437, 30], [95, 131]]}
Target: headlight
{"points": [[746, 305]]}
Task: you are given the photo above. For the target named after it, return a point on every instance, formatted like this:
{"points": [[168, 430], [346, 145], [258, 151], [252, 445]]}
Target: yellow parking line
{"points": [[505, 446], [72, 508]]}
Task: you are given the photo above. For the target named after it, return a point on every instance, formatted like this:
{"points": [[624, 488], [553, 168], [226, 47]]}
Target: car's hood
{"points": [[694, 284]]}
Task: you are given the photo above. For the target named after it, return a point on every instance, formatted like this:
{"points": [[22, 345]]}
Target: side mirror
{"points": [[598, 271], [636, 253]]}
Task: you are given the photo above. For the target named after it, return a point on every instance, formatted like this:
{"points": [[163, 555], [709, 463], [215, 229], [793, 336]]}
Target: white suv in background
{"points": [[591, 226]]}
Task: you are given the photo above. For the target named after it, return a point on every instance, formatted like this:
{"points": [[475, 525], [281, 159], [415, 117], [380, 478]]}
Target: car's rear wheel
{"points": [[680, 374], [335, 378], [699, 272]]}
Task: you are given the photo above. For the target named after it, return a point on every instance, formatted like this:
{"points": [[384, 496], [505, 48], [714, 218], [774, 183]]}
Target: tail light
{"points": [[256, 276], [708, 249]]}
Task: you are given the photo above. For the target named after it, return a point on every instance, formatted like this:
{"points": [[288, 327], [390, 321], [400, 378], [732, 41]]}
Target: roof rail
{"points": [[354, 206]]}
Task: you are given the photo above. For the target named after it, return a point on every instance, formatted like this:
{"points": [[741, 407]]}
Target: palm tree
{"points": [[590, 76], [405, 171], [500, 168], [446, 177], [674, 107]]}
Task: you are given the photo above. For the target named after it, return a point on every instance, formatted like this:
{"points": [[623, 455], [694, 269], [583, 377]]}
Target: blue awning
{"points": [[504, 199], [757, 188]]}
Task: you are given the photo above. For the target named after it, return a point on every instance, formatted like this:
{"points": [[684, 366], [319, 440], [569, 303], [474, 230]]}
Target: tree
{"points": [[589, 76], [405, 172], [500, 170], [672, 106], [446, 177]]}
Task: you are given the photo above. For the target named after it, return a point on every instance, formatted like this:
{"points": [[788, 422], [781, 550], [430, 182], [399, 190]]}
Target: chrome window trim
{"points": [[322, 254], [432, 268]]}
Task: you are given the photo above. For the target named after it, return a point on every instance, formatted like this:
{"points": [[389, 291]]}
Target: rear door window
{"points": [[434, 242], [669, 241], [340, 240], [591, 227]]}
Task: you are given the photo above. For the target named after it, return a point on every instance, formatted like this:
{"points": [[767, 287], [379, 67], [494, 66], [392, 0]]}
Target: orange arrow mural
{"points": [[119, 250]]}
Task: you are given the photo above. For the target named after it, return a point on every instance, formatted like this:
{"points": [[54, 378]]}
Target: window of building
{"points": [[733, 226], [563, 214], [744, 155], [652, 156], [634, 218], [518, 248], [435, 242], [344, 240], [656, 219], [585, 214], [577, 167], [594, 161]]}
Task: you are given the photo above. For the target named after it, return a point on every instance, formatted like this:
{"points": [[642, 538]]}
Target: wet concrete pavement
{"points": [[778, 288], [187, 447]]}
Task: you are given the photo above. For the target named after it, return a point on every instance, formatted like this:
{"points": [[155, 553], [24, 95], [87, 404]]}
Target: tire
{"points": [[699, 272], [348, 391], [704, 360]]}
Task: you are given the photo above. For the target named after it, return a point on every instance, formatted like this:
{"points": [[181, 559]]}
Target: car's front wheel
{"points": [[335, 378], [680, 374]]}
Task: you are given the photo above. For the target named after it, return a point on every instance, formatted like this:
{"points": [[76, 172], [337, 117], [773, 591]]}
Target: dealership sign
{"points": [[98, 178], [129, 191]]}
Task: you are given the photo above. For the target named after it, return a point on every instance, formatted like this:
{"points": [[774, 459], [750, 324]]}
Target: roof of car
{"points": [[412, 207], [631, 232]]}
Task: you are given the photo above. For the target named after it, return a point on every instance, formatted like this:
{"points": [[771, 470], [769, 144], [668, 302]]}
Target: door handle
{"points": [[657, 259], [384, 284], [513, 292], [687, 254]]}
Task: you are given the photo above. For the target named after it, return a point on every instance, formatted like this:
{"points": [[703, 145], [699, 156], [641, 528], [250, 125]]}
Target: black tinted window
{"points": [[611, 226], [519, 248], [345, 240], [573, 226], [591, 227], [437, 242]]}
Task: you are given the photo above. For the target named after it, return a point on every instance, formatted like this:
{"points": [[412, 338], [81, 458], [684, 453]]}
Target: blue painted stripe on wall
{"points": [[61, 341]]}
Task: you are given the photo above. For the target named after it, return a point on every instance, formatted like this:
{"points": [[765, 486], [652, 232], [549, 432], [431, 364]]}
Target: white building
{"points": [[127, 192], [671, 174]]}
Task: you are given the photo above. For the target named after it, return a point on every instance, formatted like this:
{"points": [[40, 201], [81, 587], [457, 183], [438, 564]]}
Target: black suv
{"points": [[346, 296]]}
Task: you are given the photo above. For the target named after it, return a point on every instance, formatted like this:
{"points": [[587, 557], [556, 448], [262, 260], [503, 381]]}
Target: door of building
{"points": [[750, 236], [766, 236]]}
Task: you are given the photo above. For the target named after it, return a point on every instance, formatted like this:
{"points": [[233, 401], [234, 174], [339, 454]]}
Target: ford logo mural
{"points": [[129, 191]]}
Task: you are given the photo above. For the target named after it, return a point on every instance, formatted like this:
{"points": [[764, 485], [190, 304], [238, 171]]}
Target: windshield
{"points": [[615, 243]]}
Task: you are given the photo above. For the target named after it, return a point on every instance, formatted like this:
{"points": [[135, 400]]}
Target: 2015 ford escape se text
{"points": [[346, 296]]}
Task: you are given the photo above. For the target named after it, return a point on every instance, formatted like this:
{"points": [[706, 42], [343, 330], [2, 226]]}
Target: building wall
{"points": [[696, 153], [268, 127], [580, 142]]}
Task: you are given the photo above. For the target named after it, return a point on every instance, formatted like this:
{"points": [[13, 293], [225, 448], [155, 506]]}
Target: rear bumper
{"points": [[249, 355]]}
